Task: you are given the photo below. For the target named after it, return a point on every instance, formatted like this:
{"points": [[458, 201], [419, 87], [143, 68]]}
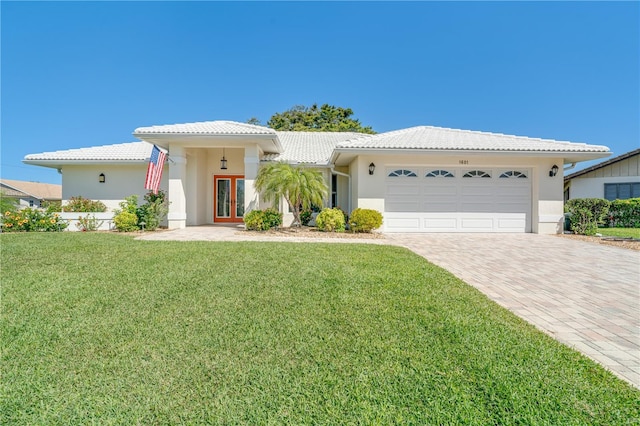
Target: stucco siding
{"points": [[546, 191], [120, 181]]}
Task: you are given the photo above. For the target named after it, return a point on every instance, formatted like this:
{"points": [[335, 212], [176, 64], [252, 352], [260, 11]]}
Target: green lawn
{"points": [[620, 232], [103, 329]]}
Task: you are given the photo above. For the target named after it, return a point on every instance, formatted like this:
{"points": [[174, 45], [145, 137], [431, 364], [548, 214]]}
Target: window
{"points": [[439, 173], [476, 174], [621, 191], [30, 203], [402, 172], [513, 174]]}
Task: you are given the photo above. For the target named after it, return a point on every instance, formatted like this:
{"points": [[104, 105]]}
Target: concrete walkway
{"points": [[584, 295]]}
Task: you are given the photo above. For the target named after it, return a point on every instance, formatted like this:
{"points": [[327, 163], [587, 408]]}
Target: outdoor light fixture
{"points": [[102, 178], [223, 162], [372, 168], [553, 171]]}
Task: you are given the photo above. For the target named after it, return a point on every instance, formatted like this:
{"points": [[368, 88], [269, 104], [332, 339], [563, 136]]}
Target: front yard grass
{"points": [[620, 232], [103, 329]]}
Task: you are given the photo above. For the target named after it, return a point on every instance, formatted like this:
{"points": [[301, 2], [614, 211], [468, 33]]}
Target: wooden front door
{"points": [[228, 198]]}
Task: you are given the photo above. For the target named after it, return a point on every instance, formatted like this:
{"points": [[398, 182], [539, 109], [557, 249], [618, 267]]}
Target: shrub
{"points": [[586, 214], [153, 211], [625, 213], [305, 217], [32, 220], [262, 220], [331, 220], [272, 218], [88, 223], [365, 220], [52, 206], [126, 221], [83, 205]]}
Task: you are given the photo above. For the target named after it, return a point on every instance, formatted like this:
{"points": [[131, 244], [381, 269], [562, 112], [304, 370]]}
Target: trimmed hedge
{"points": [[624, 213], [587, 214], [262, 220], [365, 220], [331, 220]]}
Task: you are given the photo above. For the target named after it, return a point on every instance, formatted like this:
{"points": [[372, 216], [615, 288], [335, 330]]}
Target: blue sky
{"points": [[84, 74]]}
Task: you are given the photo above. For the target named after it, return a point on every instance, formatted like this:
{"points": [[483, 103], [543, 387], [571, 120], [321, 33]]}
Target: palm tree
{"points": [[301, 187]]}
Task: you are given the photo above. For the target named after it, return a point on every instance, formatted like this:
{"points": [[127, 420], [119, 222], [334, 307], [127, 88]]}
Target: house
{"points": [[30, 194], [422, 179], [616, 178]]}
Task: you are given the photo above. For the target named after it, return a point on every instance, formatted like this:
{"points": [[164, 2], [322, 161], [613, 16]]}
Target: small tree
{"points": [[301, 187]]}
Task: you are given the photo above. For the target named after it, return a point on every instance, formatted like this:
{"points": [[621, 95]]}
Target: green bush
{"points": [[88, 223], [153, 211], [625, 213], [83, 205], [262, 220], [32, 220], [365, 220], [126, 221], [331, 220], [305, 217], [272, 218], [587, 214]]}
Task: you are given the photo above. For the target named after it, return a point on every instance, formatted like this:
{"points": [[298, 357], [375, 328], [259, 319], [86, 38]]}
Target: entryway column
{"points": [[251, 164], [177, 216]]}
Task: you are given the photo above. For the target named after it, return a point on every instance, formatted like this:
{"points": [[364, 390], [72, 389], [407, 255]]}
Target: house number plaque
{"points": [[463, 161]]}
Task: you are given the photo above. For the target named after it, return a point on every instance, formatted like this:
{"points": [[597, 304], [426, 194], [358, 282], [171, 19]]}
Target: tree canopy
{"points": [[326, 118]]}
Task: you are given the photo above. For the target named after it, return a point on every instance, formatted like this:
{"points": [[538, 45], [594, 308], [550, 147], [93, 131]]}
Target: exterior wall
{"points": [[591, 185], [547, 192], [582, 187], [120, 181]]}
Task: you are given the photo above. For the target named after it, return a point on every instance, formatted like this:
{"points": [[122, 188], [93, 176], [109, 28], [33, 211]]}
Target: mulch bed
{"points": [[307, 232], [610, 241]]}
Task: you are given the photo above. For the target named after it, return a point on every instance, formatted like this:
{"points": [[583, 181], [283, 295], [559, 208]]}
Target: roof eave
{"points": [[583, 155], [56, 164]]}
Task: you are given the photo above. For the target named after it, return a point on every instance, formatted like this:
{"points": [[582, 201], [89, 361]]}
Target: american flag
{"points": [[154, 171]]}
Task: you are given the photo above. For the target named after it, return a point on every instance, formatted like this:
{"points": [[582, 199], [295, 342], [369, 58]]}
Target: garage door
{"points": [[457, 200]]}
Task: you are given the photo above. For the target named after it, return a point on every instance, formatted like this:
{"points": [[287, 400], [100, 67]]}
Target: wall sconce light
{"points": [[553, 171], [223, 162], [372, 168], [102, 178]]}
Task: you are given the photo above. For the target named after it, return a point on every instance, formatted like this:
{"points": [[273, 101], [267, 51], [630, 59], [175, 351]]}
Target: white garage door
{"points": [[457, 200]]}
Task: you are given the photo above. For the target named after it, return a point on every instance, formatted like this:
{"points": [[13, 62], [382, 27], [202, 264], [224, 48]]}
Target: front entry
{"points": [[228, 198]]}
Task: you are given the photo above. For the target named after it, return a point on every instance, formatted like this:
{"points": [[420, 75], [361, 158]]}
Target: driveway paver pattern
{"points": [[584, 295]]}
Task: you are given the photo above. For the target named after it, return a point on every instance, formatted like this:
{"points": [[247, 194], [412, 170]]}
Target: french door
{"points": [[228, 198]]}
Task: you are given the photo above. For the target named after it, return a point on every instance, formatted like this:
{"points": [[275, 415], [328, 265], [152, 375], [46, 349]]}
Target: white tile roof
{"points": [[318, 147], [438, 138], [132, 151], [218, 127], [310, 147]]}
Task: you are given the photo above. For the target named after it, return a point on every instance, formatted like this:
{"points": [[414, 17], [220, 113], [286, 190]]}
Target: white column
{"points": [[251, 164], [177, 216]]}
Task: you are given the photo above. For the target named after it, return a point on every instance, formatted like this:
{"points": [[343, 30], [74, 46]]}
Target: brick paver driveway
{"points": [[585, 295]]}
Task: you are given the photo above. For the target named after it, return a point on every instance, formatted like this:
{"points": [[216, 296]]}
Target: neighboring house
{"points": [[616, 178], [30, 194], [422, 179]]}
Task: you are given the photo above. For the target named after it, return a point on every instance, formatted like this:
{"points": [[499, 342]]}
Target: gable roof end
{"points": [[603, 164]]}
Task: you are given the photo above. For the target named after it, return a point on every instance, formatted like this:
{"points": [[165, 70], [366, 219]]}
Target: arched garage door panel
{"points": [[492, 200]]}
